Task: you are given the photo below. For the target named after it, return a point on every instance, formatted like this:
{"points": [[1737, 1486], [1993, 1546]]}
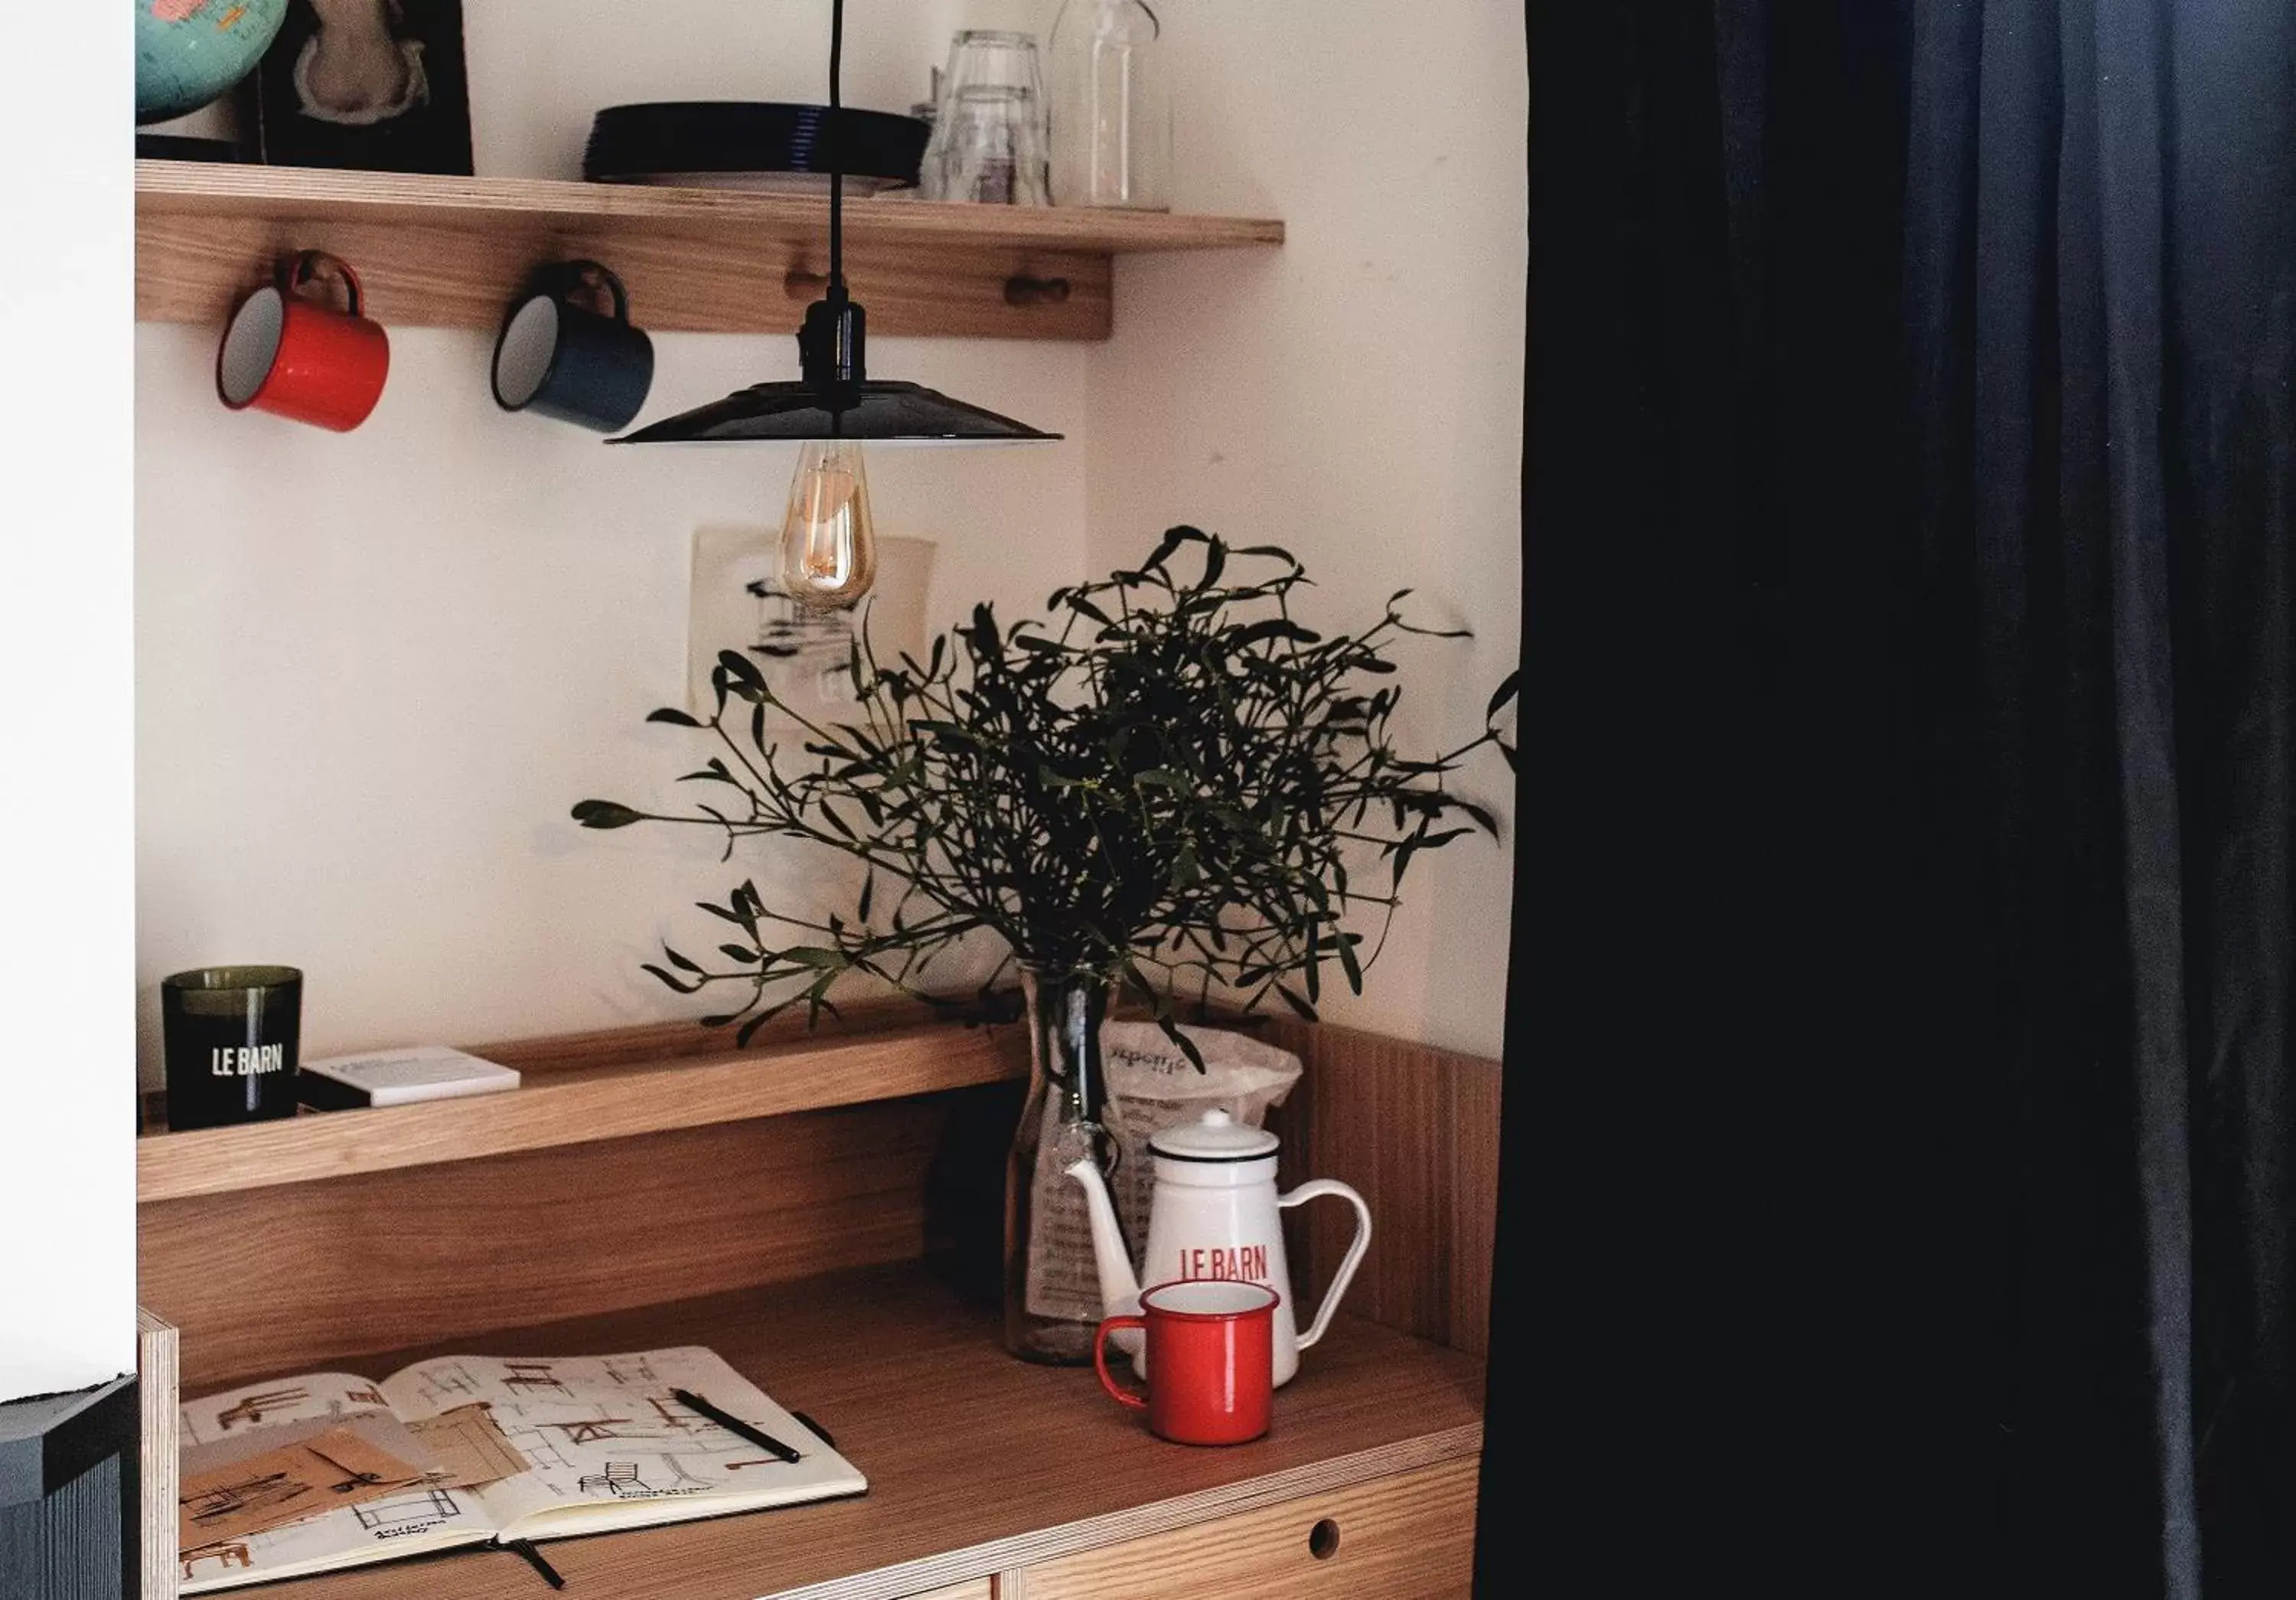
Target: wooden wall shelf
{"points": [[451, 251], [605, 1091]]}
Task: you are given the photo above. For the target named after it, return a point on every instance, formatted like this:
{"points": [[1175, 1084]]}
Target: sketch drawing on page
{"points": [[632, 1372], [620, 1480], [250, 1411], [597, 1430], [677, 1421], [248, 1497], [526, 1376], [226, 1553], [445, 1384], [412, 1512]]}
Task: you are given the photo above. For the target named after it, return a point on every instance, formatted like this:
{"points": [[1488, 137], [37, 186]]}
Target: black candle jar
{"points": [[232, 1037]]}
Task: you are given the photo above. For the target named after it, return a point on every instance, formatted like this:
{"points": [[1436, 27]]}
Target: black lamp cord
{"points": [[836, 151]]}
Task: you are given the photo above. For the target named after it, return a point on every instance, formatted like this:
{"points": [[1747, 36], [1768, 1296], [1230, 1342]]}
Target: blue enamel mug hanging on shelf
{"points": [[560, 357]]}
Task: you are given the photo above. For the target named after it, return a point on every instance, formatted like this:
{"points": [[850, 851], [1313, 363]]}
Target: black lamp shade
{"points": [[834, 397], [866, 412]]}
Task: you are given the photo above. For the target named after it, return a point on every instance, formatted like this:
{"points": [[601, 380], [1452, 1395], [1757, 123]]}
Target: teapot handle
{"points": [[1311, 1189]]}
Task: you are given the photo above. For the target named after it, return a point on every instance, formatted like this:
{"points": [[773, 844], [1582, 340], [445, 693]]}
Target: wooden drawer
{"points": [[1411, 1537]]}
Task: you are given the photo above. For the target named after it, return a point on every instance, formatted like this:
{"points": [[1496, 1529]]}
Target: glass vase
{"points": [[1052, 1285], [1110, 107]]}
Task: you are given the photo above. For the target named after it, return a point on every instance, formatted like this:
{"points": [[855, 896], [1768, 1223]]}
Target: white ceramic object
{"points": [[1216, 1215]]}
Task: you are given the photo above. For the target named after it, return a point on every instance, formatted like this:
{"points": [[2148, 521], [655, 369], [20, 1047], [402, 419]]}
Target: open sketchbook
{"points": [[514, 1450]]}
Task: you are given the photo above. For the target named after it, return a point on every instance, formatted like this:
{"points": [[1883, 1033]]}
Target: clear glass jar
{"points": [[1110, 107], [1052, 1278]]}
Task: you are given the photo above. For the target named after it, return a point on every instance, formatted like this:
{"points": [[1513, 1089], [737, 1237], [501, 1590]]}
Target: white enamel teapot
{"points": [[1215, 1214]]}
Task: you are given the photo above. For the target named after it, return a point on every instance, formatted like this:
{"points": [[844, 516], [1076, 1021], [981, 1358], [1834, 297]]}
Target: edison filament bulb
{"points": [[829, 544]]}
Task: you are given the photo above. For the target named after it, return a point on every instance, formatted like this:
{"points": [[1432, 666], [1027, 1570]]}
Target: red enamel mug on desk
{"points": [[1211, 1359], [296, 358]]}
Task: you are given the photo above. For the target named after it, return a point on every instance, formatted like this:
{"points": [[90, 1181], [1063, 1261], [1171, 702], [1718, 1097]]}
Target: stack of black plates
{"points": [[741, 144]]}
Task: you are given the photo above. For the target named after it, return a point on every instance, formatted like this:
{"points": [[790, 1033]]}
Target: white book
{"points": [[399, 1077], [588, 1444]]}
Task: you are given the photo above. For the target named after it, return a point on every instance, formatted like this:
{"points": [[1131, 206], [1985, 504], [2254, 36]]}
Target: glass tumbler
{"points": [[983, 59], [996, 151]]}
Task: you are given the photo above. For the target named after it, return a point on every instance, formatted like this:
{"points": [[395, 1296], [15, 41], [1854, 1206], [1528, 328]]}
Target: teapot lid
{"points": [[1216, 1136]]}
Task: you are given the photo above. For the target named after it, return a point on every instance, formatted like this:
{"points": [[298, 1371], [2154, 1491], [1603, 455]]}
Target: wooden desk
{"points": [[649, 1163], [984, 1468]]}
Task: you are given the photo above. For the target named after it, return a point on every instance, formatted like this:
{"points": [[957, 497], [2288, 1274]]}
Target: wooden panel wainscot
{"points": [[1416, 1130], [264, 1281]]}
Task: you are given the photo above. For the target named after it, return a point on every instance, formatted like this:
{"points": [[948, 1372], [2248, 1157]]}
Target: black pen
{"points": [[734, 1424]]}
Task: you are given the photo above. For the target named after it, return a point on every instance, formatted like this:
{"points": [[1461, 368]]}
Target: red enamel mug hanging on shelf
{"points": [[289, 355]]}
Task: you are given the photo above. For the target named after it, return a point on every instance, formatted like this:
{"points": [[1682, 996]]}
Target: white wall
{"points": [[376, 668], [66, 1107], [1357, 396]]}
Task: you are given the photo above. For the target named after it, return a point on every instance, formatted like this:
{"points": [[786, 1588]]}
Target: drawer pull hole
{"points": [[1323, 1539]]}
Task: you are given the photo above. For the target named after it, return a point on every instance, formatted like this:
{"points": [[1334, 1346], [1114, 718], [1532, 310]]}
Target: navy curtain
{"points": [[1897, 1187]]}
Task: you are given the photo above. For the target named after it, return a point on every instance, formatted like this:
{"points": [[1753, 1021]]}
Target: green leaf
{"points": [[1295, 1002], [1274, 628], [606, 813], [743, 676], [1505, 692], [672, 714], [1174, 537], [679, 984], [1188, 1046], [814, 955], [677, 960]]}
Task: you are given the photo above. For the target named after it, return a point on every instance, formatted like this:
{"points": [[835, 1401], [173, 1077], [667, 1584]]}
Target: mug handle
{"points": [[311, 264], [1348, 1262], [1125, 1397], [574, 273]]}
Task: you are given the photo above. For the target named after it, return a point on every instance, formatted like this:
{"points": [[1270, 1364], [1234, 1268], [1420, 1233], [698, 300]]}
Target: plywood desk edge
{"points": [[1158, 1516]]}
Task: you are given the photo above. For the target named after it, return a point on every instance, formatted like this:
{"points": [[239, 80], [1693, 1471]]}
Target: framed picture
{"points": [[739, 604], [376, 84]]}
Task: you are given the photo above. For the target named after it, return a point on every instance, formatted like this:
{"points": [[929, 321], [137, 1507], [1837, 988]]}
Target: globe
{"points": [[188, 52]]}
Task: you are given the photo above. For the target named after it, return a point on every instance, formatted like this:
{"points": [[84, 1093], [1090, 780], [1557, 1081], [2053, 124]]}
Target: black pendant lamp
{"points": [[828, 543]]}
